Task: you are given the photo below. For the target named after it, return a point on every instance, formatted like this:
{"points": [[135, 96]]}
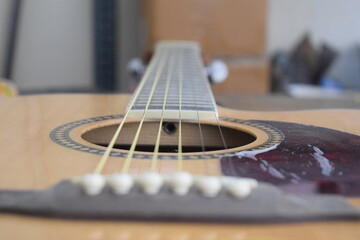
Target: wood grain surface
{"points": [[30, 160]]}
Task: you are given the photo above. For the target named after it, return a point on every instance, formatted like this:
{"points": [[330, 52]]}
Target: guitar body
{"points": [[35, 156]]}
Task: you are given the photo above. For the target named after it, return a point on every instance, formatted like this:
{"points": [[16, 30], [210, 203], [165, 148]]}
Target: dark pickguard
{"points": [[310, 159]]}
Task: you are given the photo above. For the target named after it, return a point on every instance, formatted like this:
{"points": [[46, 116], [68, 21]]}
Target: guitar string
{"points": [[215, 115], [180, 162], [221, 132], [157, 144], [214, 112], [106, 155], [180, 165], [203, 149], [128, 160], [101, 164]]}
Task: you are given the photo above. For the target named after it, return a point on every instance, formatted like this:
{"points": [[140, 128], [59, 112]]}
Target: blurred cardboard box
{"points": [[246, 75], [222, 27]]}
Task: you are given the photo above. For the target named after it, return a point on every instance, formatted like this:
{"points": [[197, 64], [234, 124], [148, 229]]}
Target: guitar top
{"points": [[168, 153]]}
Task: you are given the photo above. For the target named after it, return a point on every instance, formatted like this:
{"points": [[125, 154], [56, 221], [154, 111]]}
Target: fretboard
{"points": [[175, 85]]}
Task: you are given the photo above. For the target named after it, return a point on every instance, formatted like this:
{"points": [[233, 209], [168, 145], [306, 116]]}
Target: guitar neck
{"points": [[175, 85]]}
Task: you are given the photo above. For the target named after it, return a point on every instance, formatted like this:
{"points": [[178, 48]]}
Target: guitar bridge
{"points": [[260, 203]]}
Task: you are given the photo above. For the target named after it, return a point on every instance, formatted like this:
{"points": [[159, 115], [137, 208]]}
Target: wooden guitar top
{"points": [[31, 160]]}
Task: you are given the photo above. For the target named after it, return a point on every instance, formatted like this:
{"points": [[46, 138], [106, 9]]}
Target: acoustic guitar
{"points": [[168, 163]]}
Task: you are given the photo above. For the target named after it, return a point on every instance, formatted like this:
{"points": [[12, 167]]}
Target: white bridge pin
{"points": [[120, 183], [92, 183], [240, 188], [208, 186], [150, 182], [180, 182]]}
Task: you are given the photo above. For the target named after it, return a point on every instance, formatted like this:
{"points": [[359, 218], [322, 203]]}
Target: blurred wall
{"points": [[4, 14], [55, 37], [131, 40], [54, 48], [335, 21]]}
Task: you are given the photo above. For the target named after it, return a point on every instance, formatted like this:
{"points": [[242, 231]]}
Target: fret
{"points": [[196, 95], [177, 108], [189, 100], [156, 106]]}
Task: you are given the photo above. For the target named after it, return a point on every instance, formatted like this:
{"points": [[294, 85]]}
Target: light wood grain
{"points": [[50, 229], [30, 160]]}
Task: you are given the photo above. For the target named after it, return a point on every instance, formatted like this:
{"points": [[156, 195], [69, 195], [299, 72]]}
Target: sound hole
{"points": [[191, 139], [169, 127]]}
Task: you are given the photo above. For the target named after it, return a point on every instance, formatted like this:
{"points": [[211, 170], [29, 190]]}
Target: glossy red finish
{"points": [[310, 159]]}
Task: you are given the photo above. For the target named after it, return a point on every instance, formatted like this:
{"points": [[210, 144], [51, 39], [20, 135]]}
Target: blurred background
{"points": [[283, 48]]}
